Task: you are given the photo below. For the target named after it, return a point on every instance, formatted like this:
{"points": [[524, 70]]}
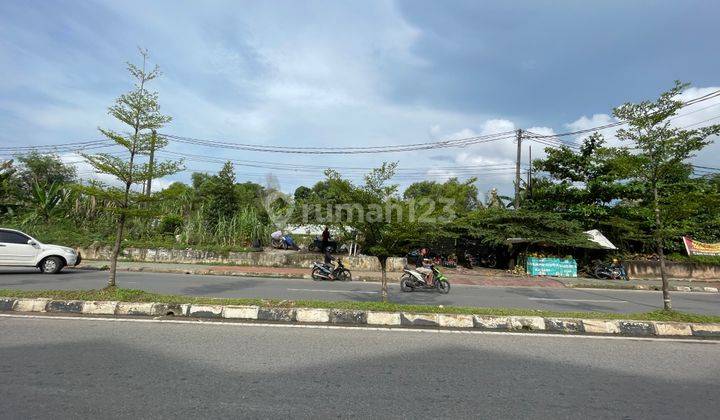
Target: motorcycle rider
{"points": [[422, 266], [329, 266], [617, 265]]}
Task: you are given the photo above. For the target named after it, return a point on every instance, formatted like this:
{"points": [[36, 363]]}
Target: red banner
{"points": [[700, 248]]}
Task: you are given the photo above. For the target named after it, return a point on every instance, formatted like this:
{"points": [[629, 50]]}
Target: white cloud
{"points": [[257, 74]]}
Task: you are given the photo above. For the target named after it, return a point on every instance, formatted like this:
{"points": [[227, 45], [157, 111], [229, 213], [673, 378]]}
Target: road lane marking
{"points": [[580, 300], [332, 291], [340, 327]]}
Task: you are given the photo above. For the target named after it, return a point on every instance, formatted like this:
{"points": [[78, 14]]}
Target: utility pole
{"points": [[151, 162], [517, 169], [528, 187]]}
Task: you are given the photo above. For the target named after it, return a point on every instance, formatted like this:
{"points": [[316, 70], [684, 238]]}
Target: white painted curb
{"points": [[368, 318]]}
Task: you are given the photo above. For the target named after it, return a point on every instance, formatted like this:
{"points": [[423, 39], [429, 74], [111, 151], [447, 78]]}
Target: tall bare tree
{"points": [[139, 110]]}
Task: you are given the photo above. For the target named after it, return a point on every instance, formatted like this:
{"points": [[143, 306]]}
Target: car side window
{"points": [[13, 237]]}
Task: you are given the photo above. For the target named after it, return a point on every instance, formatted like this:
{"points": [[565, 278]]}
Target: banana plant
{"points": [[46, 202]]}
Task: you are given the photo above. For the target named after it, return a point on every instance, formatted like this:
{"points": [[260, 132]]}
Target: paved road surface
{"points": [[461, 295], [55, 368]]}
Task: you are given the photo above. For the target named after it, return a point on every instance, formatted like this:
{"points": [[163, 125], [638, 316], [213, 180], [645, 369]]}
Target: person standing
{"points": [[325, 238]]}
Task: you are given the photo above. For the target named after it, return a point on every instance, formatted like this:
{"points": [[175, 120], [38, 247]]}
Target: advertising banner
{"points": [[700, 248], [557, 267]]}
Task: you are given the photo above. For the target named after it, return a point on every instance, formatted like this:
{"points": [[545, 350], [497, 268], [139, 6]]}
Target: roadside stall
{"points": [[557, 260]]}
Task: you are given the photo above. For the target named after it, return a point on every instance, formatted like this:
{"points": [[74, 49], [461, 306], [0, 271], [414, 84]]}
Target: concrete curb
{"points": [[371, 318]]}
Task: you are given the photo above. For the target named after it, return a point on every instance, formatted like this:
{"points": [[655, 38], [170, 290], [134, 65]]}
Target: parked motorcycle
{"points": [[603, 270], [489, 260], [486, 260], [285, 242], [413, 280], [321, 272], [317, 245]]}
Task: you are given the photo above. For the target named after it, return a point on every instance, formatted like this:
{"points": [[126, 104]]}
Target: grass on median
{"points": [[133, 295]]}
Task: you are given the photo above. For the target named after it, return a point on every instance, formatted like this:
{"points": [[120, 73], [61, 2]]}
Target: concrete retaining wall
{"points": [[651, 269], [258, 259]]}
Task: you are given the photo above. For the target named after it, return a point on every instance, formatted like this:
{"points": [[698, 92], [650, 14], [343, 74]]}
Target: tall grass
{"points": [[241, 229]]}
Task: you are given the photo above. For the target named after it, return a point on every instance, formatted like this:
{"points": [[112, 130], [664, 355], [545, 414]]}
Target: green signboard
{"points": [[557, 267]]}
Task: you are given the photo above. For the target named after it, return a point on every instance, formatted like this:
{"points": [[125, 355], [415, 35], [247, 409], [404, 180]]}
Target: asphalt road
{"points": [[622, 301], [79, 368]]}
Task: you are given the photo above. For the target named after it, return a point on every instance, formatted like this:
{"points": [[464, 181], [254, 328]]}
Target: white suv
{"points": [[19, 249]]}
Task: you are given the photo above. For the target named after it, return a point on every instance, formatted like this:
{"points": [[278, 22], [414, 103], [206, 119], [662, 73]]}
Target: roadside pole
{"points": [[528, 187], [151, 162], [517, 169]]}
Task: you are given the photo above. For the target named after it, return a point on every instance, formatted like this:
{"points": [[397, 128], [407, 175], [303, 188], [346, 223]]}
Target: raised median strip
{"points": [[371, 276], [341, 316]]}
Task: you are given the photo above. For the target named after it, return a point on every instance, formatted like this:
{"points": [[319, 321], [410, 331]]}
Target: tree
{"points": [[140, 111], [586, 185], [461, 196], [659, 151], [386, 225], [302, 193], [44, 170], [493, 226], [220, 196], [7, 187]]}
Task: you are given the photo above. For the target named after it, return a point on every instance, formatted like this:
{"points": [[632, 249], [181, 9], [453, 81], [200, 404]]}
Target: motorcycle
{"points": [[412, 280], [603, 270], [320, 271], [489, 260], [486, 260], [317, 245], [285, 242]]}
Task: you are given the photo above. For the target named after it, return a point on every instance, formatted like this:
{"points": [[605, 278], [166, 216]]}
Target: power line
{"points": [[70, 146], [344, 150], [301, 167], [703, 121], [685, 104]]}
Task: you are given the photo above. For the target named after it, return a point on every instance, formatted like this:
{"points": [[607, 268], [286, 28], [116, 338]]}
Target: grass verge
{"points": [[132, 295]]}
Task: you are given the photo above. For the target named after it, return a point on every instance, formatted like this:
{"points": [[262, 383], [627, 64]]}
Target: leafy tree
{"points": [[659, 152], [43, 169], [221, 200], [462, 197], [302, 193], [586, 186], [250, 195], [386, 225], [493, 226], [7, 186], [140, 111]]}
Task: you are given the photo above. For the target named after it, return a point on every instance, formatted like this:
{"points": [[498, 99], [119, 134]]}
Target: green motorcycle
{"points": [[412, 280]]}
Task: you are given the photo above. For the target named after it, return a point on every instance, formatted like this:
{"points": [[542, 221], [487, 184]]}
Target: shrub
{"points": [[170, 224]]}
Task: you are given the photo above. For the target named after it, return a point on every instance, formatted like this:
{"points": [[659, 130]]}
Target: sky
{"points": [[352, 73]]}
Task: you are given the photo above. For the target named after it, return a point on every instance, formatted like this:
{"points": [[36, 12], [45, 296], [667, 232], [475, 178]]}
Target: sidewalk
{"points": [[477, 276]]}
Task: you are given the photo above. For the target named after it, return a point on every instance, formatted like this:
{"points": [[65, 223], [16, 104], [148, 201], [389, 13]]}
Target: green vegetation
{"points": [[697, 259], [130, 295], [642, 195]]}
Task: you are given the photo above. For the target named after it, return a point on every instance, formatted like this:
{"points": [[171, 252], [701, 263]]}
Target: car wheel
{"points": [[51, 265]]}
